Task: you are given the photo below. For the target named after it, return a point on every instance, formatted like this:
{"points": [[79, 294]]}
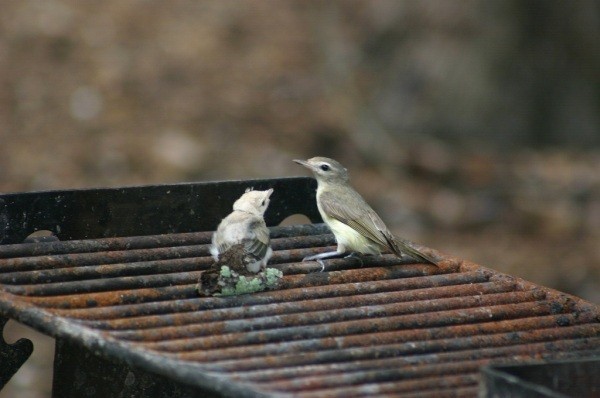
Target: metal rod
{"points": [[141, 242], [556, 339], [352, 308], [386, 337], [400, 322], [445, 382], [111, 305], [406, 367], [330, 372], [178, 319]]}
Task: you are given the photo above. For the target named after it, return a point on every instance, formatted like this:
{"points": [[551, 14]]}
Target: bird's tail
{"points": [[405, 246]]}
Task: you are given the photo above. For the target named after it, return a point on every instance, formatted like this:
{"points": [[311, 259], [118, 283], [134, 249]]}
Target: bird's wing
{"points": [[398, 245], [356, 214], [257, 243], [409, 248], [219, 236]]}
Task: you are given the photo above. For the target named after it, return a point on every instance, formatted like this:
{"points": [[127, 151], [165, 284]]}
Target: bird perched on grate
{"points": [[246, 226], [356, 226]]}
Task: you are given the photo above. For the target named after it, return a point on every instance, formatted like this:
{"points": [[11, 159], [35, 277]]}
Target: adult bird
{"points": [[356, 226]]}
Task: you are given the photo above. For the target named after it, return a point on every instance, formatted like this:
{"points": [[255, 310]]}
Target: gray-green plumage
{"points": [[354, 223]]}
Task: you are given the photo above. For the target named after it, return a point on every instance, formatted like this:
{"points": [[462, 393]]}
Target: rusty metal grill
{"points": [[383, 327]]}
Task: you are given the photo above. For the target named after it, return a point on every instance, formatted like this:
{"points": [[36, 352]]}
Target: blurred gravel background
{"points": [[472, 126]]}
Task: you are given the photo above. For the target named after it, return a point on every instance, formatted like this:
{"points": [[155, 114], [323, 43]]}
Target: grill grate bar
{"points": [[103, 244], [411, 348], [60, 264], [398, 370], [14, 268], [387, 338], [406, 347], [404, 371], [105, 285], [364, 307], [128, 297], [408, 365], [292, 263], [141, 242], [85, 273], [448, 382], [70, 281], [331, 371], [398, 375], [46, 270], [443, 393], [399, 322], [179, 319], [169, 300]]}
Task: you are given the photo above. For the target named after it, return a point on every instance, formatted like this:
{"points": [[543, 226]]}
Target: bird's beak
{"points": [[304, 163], [269, 192]]}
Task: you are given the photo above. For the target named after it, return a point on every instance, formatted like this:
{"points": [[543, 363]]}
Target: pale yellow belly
{"points": [[349, 240]]}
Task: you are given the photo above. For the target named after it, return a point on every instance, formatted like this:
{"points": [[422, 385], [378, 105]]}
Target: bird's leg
{"points": [[321, 256]]}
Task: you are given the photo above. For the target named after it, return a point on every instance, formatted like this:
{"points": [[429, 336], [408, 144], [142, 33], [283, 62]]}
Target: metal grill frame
{"points": [[175, 209], [145, 210], [553, 379]]}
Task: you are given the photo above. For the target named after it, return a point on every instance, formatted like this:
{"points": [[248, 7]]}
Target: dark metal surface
{"points": [[379, 326], [79, 372], [554, 379], [145, 210], [12, 356]]}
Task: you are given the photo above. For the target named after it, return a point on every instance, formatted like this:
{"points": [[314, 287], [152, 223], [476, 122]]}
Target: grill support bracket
{"points": [[12, 356]]}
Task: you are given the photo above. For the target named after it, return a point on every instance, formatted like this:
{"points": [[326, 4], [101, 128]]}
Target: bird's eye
{"points": [[263, 203], [325, 167]]}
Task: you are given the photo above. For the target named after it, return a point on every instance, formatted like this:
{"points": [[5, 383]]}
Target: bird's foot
{"points": [[321, 256], [355, 256], [317, 259], [322, 265]]}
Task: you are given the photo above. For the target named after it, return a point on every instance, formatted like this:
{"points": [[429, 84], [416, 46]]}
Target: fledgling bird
{"points": [[246, 225], [356, 226]]}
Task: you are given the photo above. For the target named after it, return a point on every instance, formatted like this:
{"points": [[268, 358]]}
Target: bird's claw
{"points": [[356, 256], [312, 258], [322, 265]]}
